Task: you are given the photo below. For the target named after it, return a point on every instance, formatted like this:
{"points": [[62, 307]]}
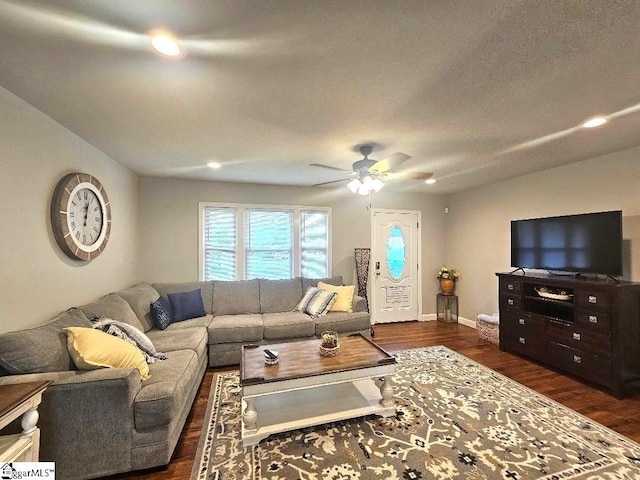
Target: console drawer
{"points": [[592, 300], [587, 341], [510, 302], [527, 343], [510, 286], [590, 367], [595, 320], [523, 324]]}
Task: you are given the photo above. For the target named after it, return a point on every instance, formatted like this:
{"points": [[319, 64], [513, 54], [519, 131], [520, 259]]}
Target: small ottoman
{"points": [[488, 328]]}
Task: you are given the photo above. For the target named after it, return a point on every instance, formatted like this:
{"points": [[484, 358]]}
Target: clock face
{"points": [[85, 216], [80, 216]]}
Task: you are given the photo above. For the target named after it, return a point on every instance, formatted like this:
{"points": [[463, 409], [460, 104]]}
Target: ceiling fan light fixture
{"points": [[595, 122], [166, 44], [377, 184], [363, 190], [354, 185]]}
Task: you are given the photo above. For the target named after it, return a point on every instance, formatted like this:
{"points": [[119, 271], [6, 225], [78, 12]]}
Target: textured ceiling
{"points": [[474, 91]]}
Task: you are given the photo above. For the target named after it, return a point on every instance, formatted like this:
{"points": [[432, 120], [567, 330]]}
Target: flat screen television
{"points": [[584, 243]]}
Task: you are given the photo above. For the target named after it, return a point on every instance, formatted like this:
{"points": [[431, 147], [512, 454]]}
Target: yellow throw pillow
{"points": [[345, 296], [91, 349]]}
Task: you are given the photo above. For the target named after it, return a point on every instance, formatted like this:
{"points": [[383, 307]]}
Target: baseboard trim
{"points": [[431, 317]]}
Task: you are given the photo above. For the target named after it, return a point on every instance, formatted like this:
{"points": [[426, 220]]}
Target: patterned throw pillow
{"points": [[161, 313], [316, 302]]}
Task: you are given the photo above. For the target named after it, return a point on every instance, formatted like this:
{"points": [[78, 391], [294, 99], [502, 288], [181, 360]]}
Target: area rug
{"points": [[455, 419]]}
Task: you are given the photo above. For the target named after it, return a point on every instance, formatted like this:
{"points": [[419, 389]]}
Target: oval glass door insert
{"points": [[396, 253]]}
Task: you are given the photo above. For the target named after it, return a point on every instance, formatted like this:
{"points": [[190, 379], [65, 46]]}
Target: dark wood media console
{"points": [[586, 327]]}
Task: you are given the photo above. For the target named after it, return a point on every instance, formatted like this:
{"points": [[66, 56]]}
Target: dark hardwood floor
{"points": [[622, 416]]}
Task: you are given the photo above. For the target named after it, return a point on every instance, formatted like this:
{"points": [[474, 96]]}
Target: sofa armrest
{"points": [[86, 419], [359, 304]]}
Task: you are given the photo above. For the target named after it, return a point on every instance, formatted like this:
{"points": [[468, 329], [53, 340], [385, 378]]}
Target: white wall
{"points": [[478, 225], [37, 280], [169, 224]]}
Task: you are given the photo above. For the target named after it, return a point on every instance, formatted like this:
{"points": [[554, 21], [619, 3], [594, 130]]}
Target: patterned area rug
{"points": [[455, 419]]}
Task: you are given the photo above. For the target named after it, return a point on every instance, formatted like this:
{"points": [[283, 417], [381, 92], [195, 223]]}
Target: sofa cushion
{"points": [[91, 348], [114, 307], [279, 295], [206, 291], [230, 298], [236, 328], [43, 348], [192, 322], [186, 339], [343, 322], [161, 313], [140, 297], [344, 300], [313, 282], [287, 325], [186, 305], [162, 397]]}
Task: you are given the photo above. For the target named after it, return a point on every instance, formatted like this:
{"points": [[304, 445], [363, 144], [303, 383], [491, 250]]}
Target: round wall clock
{"points": [[80, 216]]}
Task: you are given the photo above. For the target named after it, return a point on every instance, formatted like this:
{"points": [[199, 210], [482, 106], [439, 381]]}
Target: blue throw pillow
{"points": [[161, 313], [186, 305]]}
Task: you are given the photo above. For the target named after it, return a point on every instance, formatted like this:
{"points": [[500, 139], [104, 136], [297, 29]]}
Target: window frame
{"points": [[240, 209]]}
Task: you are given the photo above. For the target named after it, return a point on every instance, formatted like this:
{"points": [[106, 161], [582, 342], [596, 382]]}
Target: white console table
{"points": [[21, 399]]}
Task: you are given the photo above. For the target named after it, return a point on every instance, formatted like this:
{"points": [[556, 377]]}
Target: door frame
{"points": [[372, 213]]}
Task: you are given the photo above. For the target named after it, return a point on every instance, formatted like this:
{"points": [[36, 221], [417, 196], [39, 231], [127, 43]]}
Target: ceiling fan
{"points": [[368, 175]]}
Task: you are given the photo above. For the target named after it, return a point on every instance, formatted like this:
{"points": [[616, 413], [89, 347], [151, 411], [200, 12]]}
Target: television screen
{"points": [[586, 243]]}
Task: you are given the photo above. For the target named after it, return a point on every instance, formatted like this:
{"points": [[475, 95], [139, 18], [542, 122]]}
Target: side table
{"points": [[447, 307], [21, 399]]}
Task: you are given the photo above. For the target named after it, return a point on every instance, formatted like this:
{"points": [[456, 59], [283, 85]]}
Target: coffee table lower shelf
{"points": [[300, 408]]}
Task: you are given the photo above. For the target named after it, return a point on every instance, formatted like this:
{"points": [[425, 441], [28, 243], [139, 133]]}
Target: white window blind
{"points": [[268, 244], [220, 243], [241, 242], [314, 253]]}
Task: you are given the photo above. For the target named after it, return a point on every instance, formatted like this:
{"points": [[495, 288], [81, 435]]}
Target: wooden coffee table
{"points": [[305, 389]]}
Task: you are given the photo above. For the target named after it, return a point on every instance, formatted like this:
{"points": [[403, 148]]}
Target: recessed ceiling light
{"points": [[214, 165], [166, 44], [595, 122], [430, 181]]}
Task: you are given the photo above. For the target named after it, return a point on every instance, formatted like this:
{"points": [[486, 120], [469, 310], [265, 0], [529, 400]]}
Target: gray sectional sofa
{"points": [[106, 421]]}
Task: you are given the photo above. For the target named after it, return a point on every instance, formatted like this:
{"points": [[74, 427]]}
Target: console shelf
{"points": [[592, 334]]}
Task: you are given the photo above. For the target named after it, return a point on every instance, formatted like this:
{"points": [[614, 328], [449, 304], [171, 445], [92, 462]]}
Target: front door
{"points": [[395, 284]]}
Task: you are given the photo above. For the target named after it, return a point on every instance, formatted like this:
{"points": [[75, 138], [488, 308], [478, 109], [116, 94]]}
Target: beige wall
{"points": [[169, 224], [478, 225], [37, 279]]}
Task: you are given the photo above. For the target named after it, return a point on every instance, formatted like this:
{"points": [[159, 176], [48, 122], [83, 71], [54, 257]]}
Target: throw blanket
{"points": [[132, 335]]}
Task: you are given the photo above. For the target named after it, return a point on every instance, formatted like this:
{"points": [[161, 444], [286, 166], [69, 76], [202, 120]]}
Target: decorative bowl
{"points": [[329, 352]]}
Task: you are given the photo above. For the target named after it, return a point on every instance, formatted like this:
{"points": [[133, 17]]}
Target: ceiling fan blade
{"points": [[329, 167], [389, 163], [329, 183], [409, 175]]}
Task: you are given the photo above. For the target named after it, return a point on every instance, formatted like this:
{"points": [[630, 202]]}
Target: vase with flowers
{"points": [[448, 278]]}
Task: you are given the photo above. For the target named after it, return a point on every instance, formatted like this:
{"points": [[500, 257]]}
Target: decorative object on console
{"points": [[553, 294], [271, 357], [329, 346], [362, 256], [80, 216], [448, 278]]}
